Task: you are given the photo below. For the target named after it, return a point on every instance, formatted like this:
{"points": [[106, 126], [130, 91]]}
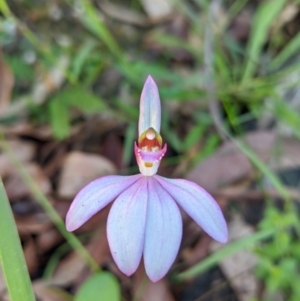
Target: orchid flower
{"points": [[145, 219]]}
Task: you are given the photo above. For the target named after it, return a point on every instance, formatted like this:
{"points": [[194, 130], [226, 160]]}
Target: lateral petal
{"points": [[199, 205], [126, 226], [94, 197], [163, 231]]}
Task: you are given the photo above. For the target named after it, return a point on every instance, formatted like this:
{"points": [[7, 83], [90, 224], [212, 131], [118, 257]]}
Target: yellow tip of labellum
{"points": [[148, 164], [151, 140]]}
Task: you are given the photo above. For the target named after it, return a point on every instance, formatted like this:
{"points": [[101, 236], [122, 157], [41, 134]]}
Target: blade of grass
{"points": [[255, 160], [288, 51], [54, 260], [194, 135], [191, 14], [286, 114], [11, 254], [217, 256], [235, 8], [91, 19], [260, 165], [262, 21], [81, 57], [4, 8], [46, 205]]}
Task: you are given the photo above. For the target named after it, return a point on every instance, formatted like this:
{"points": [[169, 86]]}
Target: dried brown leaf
{"points": [[157, 9], [241, 26], [238, 267], [98, 247], [16, 188], [68, 270], [24, 128], [47, 240], [230, 165], [79, 169], [193, 255], [45, 292], [113, 149], [23, 150], [33, 224], [72, 269], [2, 285], [145, 290], [122, 14], [30, 253], [287, 15]]}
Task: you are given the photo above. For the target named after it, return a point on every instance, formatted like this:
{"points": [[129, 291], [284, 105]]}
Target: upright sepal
{"points": [[150, 111]]}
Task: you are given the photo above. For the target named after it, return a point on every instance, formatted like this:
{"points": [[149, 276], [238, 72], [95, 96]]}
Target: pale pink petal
{"points": [[199, 205], [126, 226], [150, 111], [163, 231], [95, 196]]}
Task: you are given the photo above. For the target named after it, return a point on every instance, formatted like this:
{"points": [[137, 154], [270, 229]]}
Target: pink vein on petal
{"points": [[199, 205], [95, 196], [163, 231], [126, 226]]}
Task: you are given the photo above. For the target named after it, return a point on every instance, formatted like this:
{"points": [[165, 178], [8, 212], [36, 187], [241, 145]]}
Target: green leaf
{"points": [[21, 70], [82, 56], [11, 254], [264, 168], [90, 19], [59, 119], [173, 42], [264, 17], [59, 108], [174, 141], [194, 136], [211, 143], [81, 99], [287, 115], [101, 286], [288, 51]]}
